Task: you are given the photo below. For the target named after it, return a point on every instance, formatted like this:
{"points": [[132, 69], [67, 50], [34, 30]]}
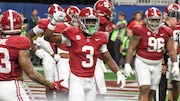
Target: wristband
{"points": [[118, 73], [175, 64], [53, 21], [51, 26]]}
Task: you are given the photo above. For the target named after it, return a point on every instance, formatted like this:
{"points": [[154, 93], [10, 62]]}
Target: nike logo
{"points": [[97, 39], [161, 34]]}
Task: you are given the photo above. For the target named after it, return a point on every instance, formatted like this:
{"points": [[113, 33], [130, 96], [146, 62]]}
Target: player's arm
{"points": [[49, 34], [110, 62], [134, 41], [113, 66], [30, 34], [26, 65], [171, 50], [108, 58], [173, 57], [175, 44]]}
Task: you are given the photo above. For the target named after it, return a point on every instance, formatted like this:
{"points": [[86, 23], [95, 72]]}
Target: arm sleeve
{"points": [[37, 30], [66, 40], [46, 45], [103, 48]]}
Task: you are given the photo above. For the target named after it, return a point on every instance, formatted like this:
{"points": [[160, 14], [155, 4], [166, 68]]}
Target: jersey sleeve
{"points": [[103, 20], [42, 23], [38, 30], [102, 36], [136, 30], [170, 31], [60, 27], [19, 42], [69, 31], [103, 48], [41, 26]]}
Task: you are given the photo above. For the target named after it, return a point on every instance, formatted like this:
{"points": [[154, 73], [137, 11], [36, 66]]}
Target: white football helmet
{"points": [[52, 9], [89, 21], [153, 17]]}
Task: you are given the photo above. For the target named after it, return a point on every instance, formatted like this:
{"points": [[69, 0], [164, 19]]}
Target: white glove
{"points": [[46, 46], [121, 78], [128, 70], [59, 16], [37, 42], [175, 69], [40, 53], [57, 57]]}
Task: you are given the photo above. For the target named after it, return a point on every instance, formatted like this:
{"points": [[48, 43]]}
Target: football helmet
{"points": [[105, 8], [11, 22], [153, 17], [72, 14], [52, 9], [171, 6], [89, 21]]}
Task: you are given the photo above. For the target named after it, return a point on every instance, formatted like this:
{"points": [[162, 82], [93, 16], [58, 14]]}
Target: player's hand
{"points": [[128, 70], [40, 53], [121, 78], [56, 86], [175, 69], [59, 16], [57, 57]]}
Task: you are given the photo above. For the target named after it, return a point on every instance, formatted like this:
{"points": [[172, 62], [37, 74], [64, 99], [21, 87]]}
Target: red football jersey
{"points": [[105, 25], [84, 50], [43, 23], [151, 45], [9, 50], [59, 28]]}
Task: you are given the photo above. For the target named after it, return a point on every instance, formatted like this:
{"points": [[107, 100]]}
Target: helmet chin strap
{"points": [[154, 30], [5, 35]]}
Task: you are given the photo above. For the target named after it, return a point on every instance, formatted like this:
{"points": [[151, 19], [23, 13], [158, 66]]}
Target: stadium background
{"points": [[26, 8]]}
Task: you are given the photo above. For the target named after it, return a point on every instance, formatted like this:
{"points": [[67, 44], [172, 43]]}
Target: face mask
{"points": [[91, 30]]}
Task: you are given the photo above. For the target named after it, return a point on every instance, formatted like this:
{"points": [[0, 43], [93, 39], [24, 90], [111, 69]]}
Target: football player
{"points": [[84, 44], [170, 19], [15, 58], [47, 50], [173, 11], [105, 12], [72, 13], [150, 40]]}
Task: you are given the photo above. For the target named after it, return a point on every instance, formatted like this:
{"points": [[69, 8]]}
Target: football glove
{"points": [[40, 53], [128, 70], [175, 69], [46, 46], [59, 16], [57, 57], [121, 78], [56, 86]]}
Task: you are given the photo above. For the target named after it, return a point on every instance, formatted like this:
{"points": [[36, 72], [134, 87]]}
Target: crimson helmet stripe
{"points": [[11, 22], [11, 19]]}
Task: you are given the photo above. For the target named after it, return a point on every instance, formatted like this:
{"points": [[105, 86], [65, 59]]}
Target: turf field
{"points": [[129, 93]]}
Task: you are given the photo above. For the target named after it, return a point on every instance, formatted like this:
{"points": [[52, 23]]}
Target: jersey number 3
{"points": [[5, 61], [88, 56]]}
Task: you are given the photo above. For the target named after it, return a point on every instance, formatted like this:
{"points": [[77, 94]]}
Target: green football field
{"points": [[108, 75]]}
